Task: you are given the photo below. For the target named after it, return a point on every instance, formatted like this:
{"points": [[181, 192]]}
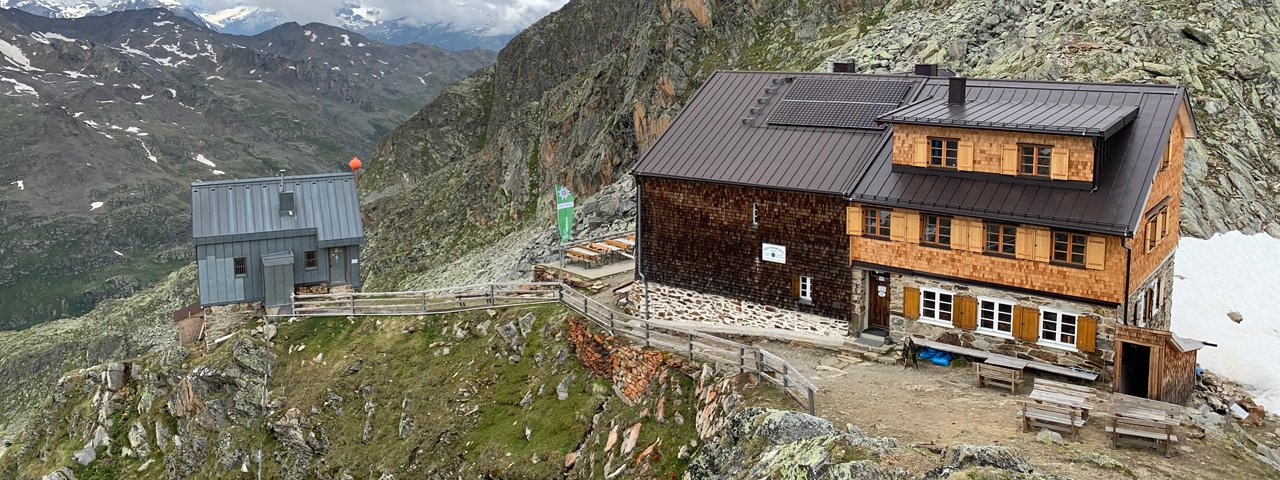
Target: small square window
{"points": [[943, 152], [877, 222], [936, 305], [310, 260], [806, 289], [995, 316], [936, 231], [241, 266], [1035, 160], [1001, 239], [1069, 248]]}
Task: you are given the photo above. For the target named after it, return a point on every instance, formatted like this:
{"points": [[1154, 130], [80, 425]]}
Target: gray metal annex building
{"points": [[257, 239]]}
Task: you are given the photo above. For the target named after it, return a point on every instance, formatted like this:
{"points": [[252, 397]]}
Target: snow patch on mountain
{"points": [[20, 184], [95, 205], [200, 158], [14, 55]]}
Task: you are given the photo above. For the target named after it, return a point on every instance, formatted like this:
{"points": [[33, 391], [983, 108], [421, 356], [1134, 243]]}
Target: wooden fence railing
{"points": [[651, 333]]}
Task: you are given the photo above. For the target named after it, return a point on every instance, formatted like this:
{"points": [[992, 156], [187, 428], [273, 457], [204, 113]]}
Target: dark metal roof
{"points": [[1038, 117], [717, 138], [1123, 181], [235, 210]]}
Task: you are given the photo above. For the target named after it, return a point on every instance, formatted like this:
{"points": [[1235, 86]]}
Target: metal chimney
{"points": [[956, 91], [927, 69]]}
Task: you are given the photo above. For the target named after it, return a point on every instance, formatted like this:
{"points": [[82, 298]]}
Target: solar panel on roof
{"points": [[838, 102]]}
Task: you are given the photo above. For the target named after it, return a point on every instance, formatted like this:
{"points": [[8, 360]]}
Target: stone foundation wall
{"points": [[1164, 318], [678, 304], [220, 320], [629, 367], [1101, 360]]}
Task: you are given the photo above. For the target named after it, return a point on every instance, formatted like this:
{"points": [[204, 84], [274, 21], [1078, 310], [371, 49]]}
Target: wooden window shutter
{"points": [[966, 316], [1009, 160], [1025, 243], [959, 233], [1095, 253], [964, 154], [920, 152], [977, 235], [911, 227], [1026, 323], [853, 221], [1059, 163], [1044, 244], [1086, 333], [795, 287], [898, 226], [911, 302]]}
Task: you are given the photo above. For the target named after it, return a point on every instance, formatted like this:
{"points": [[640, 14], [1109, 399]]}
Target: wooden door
{"points": [[878, 300], [337, 266]]}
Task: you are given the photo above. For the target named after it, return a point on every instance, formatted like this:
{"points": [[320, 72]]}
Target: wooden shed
{"points": [[1155, 364]]}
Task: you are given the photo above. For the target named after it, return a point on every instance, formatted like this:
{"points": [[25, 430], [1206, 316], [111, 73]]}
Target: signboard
{"points": [[564, 213], [773, 253]]}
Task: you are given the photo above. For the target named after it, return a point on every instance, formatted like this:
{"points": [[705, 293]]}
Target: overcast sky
{"points": [[505, 16]]}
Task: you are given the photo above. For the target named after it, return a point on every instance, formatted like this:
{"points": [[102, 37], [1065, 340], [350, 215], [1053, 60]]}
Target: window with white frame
{"points": [[806, 289], [995, 316], [755, 214], [1157, 296], [1058, 327], [936, 305], [1141, 309]]}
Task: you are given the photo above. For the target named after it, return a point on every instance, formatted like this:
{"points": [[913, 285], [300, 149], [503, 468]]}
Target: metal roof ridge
{"points": [[252, 181]]}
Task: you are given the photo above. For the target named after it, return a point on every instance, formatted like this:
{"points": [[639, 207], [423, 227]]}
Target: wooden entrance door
{"points": [[878, 300], [337, 266]]}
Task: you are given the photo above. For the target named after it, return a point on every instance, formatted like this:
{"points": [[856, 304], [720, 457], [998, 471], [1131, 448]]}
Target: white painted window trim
{"points": [[993, 332], [806, 289], [755, 214], [1040, 340], [935, 320], [1140, 309], [1156, 297]]}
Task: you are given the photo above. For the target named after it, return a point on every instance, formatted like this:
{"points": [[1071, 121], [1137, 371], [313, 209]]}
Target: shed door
{"points": [[278, 280], [337, 266]]}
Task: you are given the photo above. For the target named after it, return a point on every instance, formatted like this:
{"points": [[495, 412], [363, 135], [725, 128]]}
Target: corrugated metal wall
{"points": [[219, 285]]}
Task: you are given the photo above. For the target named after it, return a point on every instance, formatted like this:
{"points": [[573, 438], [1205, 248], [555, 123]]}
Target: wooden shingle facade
{"points": [[1033, 219]]}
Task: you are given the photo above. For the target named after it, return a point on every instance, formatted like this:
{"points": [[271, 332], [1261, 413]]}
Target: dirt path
{"points": [[941, 406]]}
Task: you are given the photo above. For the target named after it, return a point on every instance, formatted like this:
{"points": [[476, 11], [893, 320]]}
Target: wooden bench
{"points": [[1145, 432], [1086, 398], [1002, 374], [1053, 417], [582, 255]]}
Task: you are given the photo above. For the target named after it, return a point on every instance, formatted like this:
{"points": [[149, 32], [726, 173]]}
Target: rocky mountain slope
{"points": [[107, 119], [578, 96]]}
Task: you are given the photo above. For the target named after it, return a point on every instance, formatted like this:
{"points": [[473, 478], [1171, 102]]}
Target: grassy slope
{"points": [[472, 434]]}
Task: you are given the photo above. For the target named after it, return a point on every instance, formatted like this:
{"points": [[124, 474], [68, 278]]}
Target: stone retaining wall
{"points": [[678, 304], [629, 367]]}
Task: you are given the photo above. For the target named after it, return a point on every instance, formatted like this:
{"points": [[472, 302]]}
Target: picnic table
{"points": [[1001, 371], [583, 255], [1143, 422], [1058, 406]]}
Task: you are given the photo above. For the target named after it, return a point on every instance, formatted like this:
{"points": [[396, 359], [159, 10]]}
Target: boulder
{"points": [[63, 473], [114, 376], [1049, 437], [526, 324], [1004, 458], [138, 440], [562, 390], [86, 455]]}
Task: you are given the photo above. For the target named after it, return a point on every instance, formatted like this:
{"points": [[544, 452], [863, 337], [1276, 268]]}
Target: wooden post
{"points": [[646, 334], [810, 400], [786, 370], [611, 325], [585, 299], [690, 337], [351, 299], [493, 298], [424, 302], [759, 366], [742, 359]]}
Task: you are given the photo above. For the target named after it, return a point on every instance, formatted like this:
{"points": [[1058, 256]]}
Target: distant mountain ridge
{"points": [[251, 20], [107, 119]]}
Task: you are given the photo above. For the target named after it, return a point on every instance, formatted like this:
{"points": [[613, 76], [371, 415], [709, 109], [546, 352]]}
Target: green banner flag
{"points": [[564, 212]]}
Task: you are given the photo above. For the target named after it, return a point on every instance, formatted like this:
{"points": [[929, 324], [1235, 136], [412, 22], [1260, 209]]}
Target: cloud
{"points": [[501, 16]]}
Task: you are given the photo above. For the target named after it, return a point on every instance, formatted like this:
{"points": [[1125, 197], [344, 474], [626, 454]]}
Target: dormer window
{"points": [[943, 152], [1035, 160]]}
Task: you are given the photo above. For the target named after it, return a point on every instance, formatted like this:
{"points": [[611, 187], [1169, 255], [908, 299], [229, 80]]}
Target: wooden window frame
{"points": [[1164, 222], [806, 289], [1070, 252], [877, 223], [1153, 235], [240, 266], [936, 318], [1006, 245], [949, 151], [755, 214], [939, 230], [1035, 157], [996, 303], [1058, 332], [310, 260]]}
